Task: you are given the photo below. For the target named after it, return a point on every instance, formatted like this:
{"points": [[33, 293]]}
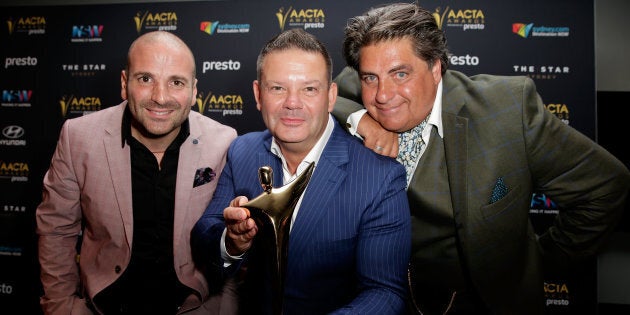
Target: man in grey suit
{"points": [[132, 179], [475, 149]]}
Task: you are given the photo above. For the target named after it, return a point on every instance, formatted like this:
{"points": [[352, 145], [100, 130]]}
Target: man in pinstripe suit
{"points": [[487, 145], [350, 233]]}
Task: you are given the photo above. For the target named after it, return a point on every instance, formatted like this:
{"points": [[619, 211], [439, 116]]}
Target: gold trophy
{"points": [[272, 210]]}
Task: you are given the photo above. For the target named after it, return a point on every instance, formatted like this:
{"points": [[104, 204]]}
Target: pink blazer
{"points": [[89, 180]]}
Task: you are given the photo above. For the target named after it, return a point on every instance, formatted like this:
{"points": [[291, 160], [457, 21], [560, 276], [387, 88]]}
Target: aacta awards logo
{"points": [[15, 171], [303, 18], [560, 110], [439, 16], [557, 294], [161, 21], [79, 105], [227, 105], [466, 19], [31, 25]]}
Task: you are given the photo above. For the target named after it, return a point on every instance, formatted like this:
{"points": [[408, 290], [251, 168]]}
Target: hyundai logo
{"points": [[13, 132]]}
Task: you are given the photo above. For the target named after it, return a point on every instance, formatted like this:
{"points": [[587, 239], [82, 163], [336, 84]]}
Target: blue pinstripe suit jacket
{"points": [[350, 244]]}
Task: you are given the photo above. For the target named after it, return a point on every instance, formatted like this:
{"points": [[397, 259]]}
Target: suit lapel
{"points": [[455, 145], [189, 155], [328, 175], [119, 162], [456, 155]]}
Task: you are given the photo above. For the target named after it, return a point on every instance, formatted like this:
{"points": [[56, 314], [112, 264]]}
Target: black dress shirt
{"points": [[149, 285]]}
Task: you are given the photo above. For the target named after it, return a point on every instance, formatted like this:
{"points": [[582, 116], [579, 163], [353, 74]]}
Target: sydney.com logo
{"points": [[529, 30]]}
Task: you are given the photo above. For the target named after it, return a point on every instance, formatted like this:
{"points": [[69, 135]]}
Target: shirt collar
{"points": [[436, 112], [313, 155]]}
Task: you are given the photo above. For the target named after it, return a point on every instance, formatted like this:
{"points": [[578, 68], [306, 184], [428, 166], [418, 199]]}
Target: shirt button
{"points": [[117, 269]]}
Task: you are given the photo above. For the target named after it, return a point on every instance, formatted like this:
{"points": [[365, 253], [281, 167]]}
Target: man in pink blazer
{"points": [[124, 188]]}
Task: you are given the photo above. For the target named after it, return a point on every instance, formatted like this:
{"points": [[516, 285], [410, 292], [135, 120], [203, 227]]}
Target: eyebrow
{"points": [[275, 82], [170, 78], [390, 71], [399, 67], [179, 78]]}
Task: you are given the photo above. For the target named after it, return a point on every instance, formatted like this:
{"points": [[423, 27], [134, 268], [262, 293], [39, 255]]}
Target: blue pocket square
{"points": [[499, 191], [203, 175]]}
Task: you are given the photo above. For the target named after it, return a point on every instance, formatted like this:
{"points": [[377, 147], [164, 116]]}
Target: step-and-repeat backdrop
{"points": [[61, 62]]}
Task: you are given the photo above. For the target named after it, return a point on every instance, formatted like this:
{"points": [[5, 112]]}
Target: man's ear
{"points": [[256, 87], [194, 93], [123, 85], [436, 71], [332, 96]]}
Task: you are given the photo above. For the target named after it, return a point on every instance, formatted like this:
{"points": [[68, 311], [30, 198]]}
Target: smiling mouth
{"points": [[292, 121], [388, 109], [164, 112]]}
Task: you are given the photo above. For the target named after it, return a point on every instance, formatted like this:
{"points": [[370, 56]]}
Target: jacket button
{"points": [[117, 269]]}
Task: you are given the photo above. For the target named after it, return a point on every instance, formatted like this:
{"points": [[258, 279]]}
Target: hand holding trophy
{"points": [[272, 211]]}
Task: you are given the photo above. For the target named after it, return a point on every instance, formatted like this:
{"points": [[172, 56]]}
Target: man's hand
{"points": [[377, 138], [240, 227]]}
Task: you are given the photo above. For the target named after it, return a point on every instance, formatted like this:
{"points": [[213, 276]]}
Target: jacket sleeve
{"points": [[383, 251], [58, 220], [588, 184]]}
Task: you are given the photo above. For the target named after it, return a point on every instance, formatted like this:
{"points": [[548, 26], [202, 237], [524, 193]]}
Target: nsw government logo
{"points": [[16, 98], [541, 204], [86, 33]]}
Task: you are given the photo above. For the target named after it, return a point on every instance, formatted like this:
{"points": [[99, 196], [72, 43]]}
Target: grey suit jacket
{"points": [[497, 127], [89, 180]]}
